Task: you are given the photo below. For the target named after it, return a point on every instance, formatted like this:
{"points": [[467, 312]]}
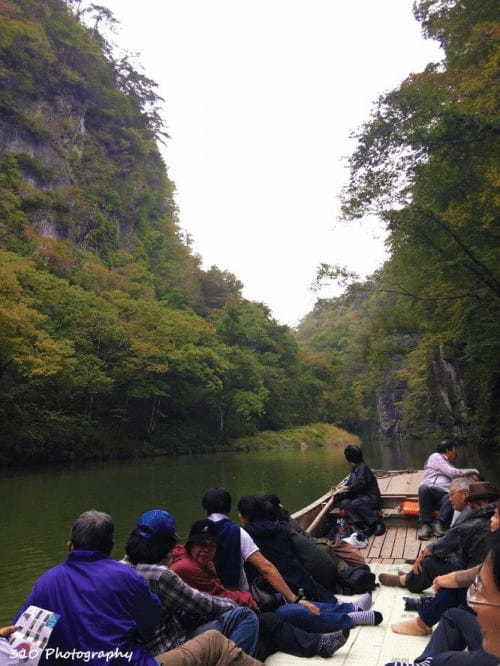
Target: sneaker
{"points": [[379, 529], [437, 529], [358, 540], [425, 532]]}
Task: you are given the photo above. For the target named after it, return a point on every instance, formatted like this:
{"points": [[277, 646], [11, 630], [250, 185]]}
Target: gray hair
{"points": [[93, 530], [460, 484]]}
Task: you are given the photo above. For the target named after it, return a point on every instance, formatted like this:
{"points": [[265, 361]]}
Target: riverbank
{"points": [[312, 435]]}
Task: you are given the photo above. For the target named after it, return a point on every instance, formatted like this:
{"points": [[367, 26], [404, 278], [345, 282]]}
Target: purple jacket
{"points": [[439, 472], [102, 603]]}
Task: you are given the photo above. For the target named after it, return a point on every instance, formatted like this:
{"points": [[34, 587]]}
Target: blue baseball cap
{"points": [[156, 523]]}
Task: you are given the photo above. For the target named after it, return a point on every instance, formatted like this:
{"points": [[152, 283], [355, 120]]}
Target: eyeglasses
{"points": [[476, 589]]}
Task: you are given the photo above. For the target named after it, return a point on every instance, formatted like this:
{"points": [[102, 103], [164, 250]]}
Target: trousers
{"points": [[239, 625], [211, 648], [431, 498], [458, 630], [362, 511], [432, 608], [431, 567], [276, 635]]}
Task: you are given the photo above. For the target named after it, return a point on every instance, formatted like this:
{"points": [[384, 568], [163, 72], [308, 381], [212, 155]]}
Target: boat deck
{"points": [[400, 543], [370, 646]]}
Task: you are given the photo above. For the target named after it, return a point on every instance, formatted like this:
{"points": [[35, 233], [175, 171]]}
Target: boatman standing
{"points": [[439, 471]]}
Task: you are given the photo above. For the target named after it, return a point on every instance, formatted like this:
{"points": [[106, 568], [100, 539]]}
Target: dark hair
{"points": [[353, 454], [280, 513], [494, 555], [93, 530], [148, 551], [446, 445], [216, 500], [252, 508]]}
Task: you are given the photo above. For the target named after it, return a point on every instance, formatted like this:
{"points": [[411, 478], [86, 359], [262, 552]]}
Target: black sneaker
{"points": [[379, 529]]}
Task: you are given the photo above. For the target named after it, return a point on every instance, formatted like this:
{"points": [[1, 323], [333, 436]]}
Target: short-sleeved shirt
{"points": [[247, 547]]}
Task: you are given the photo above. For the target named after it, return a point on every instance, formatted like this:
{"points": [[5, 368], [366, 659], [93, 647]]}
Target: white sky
{"points": [[260, 98]]}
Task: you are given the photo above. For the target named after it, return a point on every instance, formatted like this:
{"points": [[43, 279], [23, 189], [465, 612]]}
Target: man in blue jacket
{"points": [[104, 606]]}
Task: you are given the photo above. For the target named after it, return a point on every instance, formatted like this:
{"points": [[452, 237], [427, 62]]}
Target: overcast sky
{"points": [[261, 96]]}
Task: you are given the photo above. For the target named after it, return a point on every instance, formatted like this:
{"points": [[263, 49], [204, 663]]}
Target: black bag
{"points": [[357, 580], [266, 598]]}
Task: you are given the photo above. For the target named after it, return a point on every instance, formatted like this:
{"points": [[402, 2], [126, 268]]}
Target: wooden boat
{"points": [[394, 550], [399, 544]]}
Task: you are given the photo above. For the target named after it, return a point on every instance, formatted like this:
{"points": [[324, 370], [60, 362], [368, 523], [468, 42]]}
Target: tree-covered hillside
{"points": [[112, 338], [416, 349]]}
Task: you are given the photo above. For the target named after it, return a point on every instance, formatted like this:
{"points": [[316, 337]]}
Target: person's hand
{"points": [[7, 631], [444, 581], [310, 607], [417, 567]]}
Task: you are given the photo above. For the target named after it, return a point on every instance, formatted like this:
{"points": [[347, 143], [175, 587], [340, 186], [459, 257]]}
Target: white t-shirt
{"points": [[247, 547]]}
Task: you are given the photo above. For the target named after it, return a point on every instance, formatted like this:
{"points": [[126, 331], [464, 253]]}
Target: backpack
{"points": [[357, 580]]}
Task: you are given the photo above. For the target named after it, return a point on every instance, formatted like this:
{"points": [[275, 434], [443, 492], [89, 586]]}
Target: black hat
{"points": [[202, 531]]}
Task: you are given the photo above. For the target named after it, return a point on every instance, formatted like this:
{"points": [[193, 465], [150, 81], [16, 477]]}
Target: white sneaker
{"points": [[356, 542]]}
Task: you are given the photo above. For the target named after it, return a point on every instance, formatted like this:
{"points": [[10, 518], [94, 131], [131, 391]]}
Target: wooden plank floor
{"points": [[397, 545]]}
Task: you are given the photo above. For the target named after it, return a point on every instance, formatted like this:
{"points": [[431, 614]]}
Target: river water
{"points": [[38, 507]]}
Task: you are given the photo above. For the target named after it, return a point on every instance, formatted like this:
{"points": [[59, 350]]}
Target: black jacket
{"points": [[362, 481], [466, 545], [273, 540]]}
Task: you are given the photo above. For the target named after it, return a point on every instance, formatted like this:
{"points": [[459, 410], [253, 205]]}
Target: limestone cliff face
{"points": [[442, 413], [47, 159]]}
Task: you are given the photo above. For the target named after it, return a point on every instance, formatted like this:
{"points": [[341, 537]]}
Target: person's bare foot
{"points": [[412, 628]]}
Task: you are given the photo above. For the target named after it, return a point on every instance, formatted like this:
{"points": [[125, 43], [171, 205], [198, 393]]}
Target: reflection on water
{"points": [[39, 507]]}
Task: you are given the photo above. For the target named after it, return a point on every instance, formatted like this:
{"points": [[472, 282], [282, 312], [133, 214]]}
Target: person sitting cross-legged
{"points": [[463, 548], [187, 612], [476, 630]]}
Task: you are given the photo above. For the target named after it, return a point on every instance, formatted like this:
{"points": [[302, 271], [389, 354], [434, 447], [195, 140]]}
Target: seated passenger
{"points": [[147, 549], [360, 496], [339, 552], [235, 548], [463, 548], [101, 602], [273, 539], [476, 630], [450, 593], [195, 566], [433, 490]]}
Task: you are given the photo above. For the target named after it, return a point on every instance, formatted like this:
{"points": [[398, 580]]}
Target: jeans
{"points": [[331, 618], [432, 608], [430, 498], [240, 624], [457, 631]]}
